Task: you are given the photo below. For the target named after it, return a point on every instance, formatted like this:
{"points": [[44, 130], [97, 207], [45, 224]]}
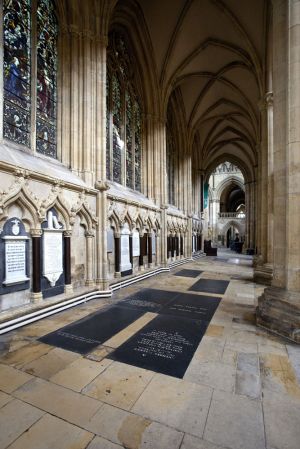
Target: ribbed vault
{"points": [[213, 52]]}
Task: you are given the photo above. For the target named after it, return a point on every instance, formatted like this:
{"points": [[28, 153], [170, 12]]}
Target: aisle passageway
{"points": [[181, 368]]}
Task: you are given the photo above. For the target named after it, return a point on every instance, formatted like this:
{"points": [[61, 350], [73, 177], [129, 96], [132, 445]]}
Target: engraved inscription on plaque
{"points": [[53, 255], [135, 243], [167, 345], [125, 255], [15, 260]]}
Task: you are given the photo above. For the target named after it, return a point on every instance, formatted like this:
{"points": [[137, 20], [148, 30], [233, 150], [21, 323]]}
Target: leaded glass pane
{"points": [[16, 36], [108, 174], [46, 78], [118, 143], [129, 147], [138, 147]]}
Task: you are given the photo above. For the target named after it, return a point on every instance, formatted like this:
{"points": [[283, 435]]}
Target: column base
{"points": [[68, 289], [117, 274], [102, 284], [278, 310], [263, 274], [89, 283], [35, 297], [141, 268]]}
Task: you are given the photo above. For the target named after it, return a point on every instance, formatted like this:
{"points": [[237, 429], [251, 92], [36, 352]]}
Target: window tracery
{"points": [[26, 111], [124, 117]]}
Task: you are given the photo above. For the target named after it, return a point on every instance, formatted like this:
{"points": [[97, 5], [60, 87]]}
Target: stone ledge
{"points": [[278, 310]]}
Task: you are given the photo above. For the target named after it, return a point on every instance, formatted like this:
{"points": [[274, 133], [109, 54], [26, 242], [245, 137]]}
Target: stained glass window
{"points": [[46, 78], [124, 123], [108, 107], [138, 146], [17, 23], [18, 16], [118, 143], [129, 143]]}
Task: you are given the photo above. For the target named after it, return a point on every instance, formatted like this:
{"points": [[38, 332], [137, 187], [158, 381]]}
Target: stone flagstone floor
{"points": [[240, 391]]}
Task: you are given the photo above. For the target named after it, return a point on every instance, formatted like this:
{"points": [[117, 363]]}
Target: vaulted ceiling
{"points": [[213, 52]]}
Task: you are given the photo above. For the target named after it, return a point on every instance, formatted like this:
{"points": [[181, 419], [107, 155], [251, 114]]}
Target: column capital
{"points": [[36, 232], [67, 233], [89, 234]]}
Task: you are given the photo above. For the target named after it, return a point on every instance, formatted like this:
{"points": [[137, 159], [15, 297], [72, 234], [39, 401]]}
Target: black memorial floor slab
{"points": [[165, 345], [188, 273], [85, 334], [198, 307], [210, 286], [149, 300]]}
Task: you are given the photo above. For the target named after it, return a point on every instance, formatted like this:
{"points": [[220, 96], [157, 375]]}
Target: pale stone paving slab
{"points": [[235, 422], [132, 431], [80, 373], [190, 442], [247, 384], [53, 433], [130, 330], [49, 364], [4, 398], [176, 403], [15, 418], [213, 374], [25, 355], [11, 378], [282, 421], [101, 443], [119, 385], [59, 401], [248, 363]]}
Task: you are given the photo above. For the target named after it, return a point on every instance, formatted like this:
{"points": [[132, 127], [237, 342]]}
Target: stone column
{"points": [[269, 101], [99, 120], [36, 294], [215, 217], [164, 236], [150, 249], [279, 306], [189, 237], [263, 272], [67, 261], [181, 246], [89, 235], [158, 255], [117, 254], [130, 250], [141, 256]]}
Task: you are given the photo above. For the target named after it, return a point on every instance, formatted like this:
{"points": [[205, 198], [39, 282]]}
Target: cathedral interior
{"points": [[150, 224]]}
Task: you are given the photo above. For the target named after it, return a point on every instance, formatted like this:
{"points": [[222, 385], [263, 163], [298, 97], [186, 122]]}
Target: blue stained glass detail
{"points": [[16, 37], [47, 31]]}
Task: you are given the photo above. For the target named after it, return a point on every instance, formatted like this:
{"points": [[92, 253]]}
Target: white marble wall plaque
{"points": [[125, 264], [15, 260], [135, 243], [153, 243], [53, 255]]}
